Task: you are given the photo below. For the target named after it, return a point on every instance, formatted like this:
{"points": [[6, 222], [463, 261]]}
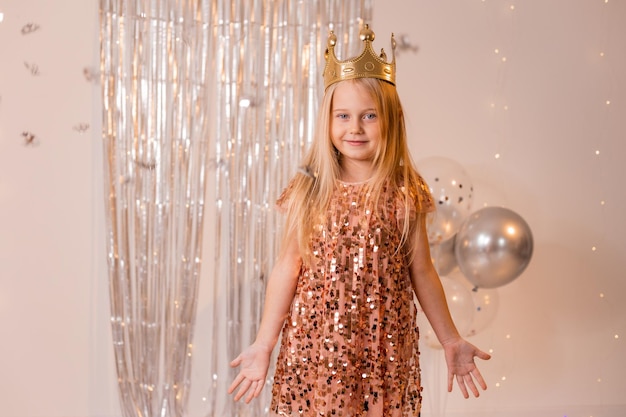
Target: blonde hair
{"points": [[311, 190]]}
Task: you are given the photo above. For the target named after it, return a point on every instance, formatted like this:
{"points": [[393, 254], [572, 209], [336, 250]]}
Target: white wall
{"points": [[554, 339]]}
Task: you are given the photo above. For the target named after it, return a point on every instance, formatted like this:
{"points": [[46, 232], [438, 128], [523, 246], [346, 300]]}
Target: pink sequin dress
{"points": [[350, 342]]}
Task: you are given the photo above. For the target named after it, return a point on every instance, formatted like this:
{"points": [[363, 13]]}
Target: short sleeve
{"points": [[424, 199], [282, 203]]}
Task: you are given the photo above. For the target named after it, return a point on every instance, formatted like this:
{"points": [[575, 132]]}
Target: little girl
{"points": [[354, 254]]}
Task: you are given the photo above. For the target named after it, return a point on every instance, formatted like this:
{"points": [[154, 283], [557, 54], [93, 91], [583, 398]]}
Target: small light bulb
{"points": [[602, 54], [512, 7], [497, 156], [602, 202], [608, 102], [597, 151], [503, 59]]}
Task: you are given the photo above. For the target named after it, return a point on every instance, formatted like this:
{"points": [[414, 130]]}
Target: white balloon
{"points": [[452, 191], [461, 306], [443, 257]]}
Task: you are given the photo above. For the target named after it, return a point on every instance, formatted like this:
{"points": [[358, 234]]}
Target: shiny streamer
{"points": [[234, 82], [155, 134], [269, 61]]}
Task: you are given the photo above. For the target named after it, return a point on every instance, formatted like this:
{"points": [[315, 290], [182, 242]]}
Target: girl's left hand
{"points": [[254, 362], [460, 360]]}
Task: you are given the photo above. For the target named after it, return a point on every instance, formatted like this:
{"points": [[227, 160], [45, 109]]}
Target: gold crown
{"points": [[366, 65]]}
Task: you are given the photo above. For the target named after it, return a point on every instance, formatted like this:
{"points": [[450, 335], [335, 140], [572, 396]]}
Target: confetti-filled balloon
{"points": [[452, 190], [443, 256], [486, 304]]}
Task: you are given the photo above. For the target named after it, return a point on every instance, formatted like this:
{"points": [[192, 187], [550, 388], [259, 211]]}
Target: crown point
{"points": [[366, 34], [332, 39], [366, 65]]}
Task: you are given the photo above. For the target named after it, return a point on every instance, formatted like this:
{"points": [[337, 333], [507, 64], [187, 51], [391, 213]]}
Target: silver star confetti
{"points": [[29, 28], [33, 68], [81, 127], [30, 139]]}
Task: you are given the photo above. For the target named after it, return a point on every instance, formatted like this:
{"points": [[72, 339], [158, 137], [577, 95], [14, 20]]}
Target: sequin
{"points": [[356, 339]]}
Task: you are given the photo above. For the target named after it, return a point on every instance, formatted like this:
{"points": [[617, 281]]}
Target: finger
{"points": [[251, 392], [483, 355], [245, 385], [450, 381], [479, 378], [461, 383], [235, 362], [259, 388], [235, 383], [470, 382]]}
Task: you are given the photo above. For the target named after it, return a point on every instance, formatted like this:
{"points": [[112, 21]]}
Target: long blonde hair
{"points": [[311, 190]]}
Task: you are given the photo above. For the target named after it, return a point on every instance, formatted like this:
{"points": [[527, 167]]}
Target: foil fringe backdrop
{"points": [[270, 83], [155, 134], [188, 87]]}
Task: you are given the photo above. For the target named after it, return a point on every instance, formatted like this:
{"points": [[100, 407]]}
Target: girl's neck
{"points": [[355, 173]]}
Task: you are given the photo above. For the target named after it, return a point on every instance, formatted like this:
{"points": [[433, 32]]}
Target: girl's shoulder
{"points": [[418, 192], [424, 197], [297, 188]]}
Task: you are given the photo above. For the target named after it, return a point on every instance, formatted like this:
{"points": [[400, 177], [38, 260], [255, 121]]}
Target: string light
{"points": [[501, 125]]}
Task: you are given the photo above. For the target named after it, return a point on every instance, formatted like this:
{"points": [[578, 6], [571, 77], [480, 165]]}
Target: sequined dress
{"points": [[350, 342]]}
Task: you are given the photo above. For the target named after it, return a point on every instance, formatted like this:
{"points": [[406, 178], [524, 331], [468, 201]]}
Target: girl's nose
{"points": [[355, 128]]}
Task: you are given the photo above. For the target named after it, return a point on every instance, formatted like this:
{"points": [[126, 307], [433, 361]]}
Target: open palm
{"points": [[460, 360], [254, 362]]}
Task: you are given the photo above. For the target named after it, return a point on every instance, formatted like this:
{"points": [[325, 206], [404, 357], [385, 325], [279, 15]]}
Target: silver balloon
{"points": [[493, 247]]}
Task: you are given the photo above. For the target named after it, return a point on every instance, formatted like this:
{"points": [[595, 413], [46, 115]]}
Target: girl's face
{"points": [[354, 126]]}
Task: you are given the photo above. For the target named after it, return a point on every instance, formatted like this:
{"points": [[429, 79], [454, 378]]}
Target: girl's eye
{"points": [[342, 116], [370, 116]]}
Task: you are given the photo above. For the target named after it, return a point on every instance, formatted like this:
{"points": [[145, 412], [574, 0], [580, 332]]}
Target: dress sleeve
{"points": [[282, 203], [424, 199]]}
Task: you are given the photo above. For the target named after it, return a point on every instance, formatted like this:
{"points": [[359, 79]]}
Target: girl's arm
{"points": [[279, 294], [427, 286]]}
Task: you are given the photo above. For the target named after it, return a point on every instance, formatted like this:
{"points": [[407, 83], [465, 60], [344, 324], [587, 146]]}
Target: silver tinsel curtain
{"points": [[192, 88]]}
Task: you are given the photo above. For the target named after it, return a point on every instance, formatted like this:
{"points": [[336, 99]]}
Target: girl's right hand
{"points": [[254, 363]]}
